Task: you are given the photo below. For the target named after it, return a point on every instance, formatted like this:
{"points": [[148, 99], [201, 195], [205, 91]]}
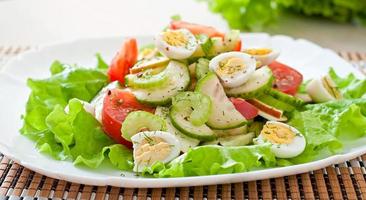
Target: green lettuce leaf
{"points": [[75, 135], [350, 86], [101, 63], [83, 139], [65, 83], [245, 14], [328, 126], [214, 159], [257, 14]]}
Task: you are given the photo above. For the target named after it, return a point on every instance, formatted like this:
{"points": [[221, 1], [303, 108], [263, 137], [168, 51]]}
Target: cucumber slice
{"points": [[256, 127], [149, 62], [204, 47], [294, 101], [138, 121], [260, 81], [212, 142], [237, 140], [269, 100], [224, 115], [189, 112], [202, 68], [197, 103], [185, 141], [305, 97], [231, 132], [210, 47], [179, 79], [146, 79]]}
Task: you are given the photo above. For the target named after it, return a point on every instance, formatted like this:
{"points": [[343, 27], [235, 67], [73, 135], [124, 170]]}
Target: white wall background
{"points": [[31, 22]]}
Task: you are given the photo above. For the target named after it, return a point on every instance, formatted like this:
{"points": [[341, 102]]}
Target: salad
{"points": [[196, 101]]}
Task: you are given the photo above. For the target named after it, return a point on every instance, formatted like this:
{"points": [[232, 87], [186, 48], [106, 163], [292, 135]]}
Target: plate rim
{"points": [[133, 182]]}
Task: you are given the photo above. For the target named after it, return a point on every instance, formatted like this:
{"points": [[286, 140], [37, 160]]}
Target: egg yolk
{"points": [[230, 66], [277, 134], [331, 87], [259, 51], [175, 38], [152, 149]]}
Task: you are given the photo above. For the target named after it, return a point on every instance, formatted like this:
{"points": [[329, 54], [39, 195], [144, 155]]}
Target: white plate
{"points": [[310, 59]]}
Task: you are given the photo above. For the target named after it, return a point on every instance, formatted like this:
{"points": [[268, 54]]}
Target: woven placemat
{"points": [[341, 181]]}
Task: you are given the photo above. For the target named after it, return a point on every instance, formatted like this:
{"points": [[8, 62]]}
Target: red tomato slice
{"points": [[123, 61], [116, 106], [288, 80], [238, 46], [246, 109], [197, 28]]}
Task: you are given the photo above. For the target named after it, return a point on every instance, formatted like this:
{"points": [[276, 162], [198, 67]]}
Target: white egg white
{"points": [[98, 100], [264, 59], [181, 51], [318, 92], [293, 149], [239, 77], [167, 137]]}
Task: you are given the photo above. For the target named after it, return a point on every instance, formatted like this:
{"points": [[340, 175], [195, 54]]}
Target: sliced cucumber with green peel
{"points": [[199, 105], [185, 141], [292, 100], [146, 79], [237, 140], [138, 121], [269, 100], [224, 115], [255, 127], [202, 68], [231, 132], [189, 112], [209, 47], [260, 81], [212, 142], [178, 80]]}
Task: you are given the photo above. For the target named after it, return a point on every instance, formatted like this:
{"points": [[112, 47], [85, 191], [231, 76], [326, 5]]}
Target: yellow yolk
{"points": [[331, 87], [259, 51], [175, 38], [151, 150], [230, 66], [278, 134]]}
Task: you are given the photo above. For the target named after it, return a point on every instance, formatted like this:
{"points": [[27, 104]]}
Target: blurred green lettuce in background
{"points": [[256, 14]]}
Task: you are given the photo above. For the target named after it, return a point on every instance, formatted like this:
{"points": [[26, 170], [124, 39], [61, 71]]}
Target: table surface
{"points": [[25, 22]]}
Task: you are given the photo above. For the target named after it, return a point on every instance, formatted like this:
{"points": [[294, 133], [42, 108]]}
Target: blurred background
{"points": [[336, 24]]}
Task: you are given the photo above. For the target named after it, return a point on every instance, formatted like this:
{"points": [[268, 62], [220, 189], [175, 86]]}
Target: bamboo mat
{"points": [[342, 181]]}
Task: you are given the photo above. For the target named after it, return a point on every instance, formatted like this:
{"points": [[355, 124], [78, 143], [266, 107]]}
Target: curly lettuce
{"points": [[350, 86], [328, 126], [214, 159], [257, 14], [75, 135]]}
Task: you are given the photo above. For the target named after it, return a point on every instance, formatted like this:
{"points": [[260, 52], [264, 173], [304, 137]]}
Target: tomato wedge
{"points": [[116, 106], [246, 109], [196, 28], [123, 61], [237, 46], [288, 80]]}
